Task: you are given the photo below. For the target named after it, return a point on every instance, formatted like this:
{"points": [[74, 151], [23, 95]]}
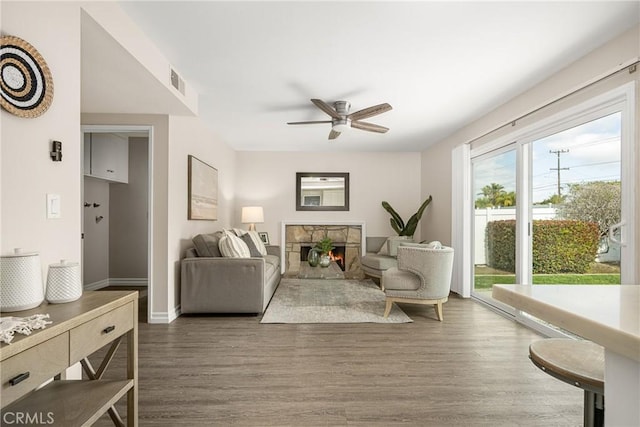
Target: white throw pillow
{"points": [[255, 238], [231, 246]]}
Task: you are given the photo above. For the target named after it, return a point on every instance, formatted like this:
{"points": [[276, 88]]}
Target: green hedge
{"points": [[500, 241], [559, 246]]}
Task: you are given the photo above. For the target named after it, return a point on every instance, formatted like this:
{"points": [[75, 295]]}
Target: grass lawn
{"points": [[485, 281]]}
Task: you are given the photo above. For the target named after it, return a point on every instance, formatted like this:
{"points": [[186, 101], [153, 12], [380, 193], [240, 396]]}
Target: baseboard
{"points": [[121, 281], [163, 317], [132, 281], [96, 285]]}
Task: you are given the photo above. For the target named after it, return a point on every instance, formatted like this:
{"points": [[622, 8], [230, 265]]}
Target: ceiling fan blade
{"points": [[309, 123], [326, 108], [333, 134], [368, 127], [370, 112]]}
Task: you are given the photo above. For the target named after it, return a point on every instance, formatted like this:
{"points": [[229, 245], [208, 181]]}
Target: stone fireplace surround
{"points": [[296, 234]]}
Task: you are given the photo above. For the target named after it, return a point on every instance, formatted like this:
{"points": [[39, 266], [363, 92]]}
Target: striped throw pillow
{"points": [[231, 246], [258, 242]]}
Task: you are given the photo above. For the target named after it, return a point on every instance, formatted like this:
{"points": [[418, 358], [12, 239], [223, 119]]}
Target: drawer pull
{"points": [[109, 329], [18, 379]]}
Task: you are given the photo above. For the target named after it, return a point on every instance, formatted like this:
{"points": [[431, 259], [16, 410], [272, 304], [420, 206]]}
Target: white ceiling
{"points": [[441, 65]]}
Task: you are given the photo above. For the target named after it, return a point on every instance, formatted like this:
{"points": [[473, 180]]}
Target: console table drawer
{"points": [[93, 335], [32, 367]]}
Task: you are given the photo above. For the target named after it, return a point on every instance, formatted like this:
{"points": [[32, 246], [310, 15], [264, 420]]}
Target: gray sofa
{"points": [[211, 283], [373, 264]]}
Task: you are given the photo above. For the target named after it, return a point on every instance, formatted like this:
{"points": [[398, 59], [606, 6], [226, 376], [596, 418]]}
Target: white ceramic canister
{"points": [[20, 281], [63, 282]]}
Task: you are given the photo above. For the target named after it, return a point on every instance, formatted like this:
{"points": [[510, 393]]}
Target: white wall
{"points": [[129, 216], [27, 172], [190, 136], [436, 160], [117, 23], [95, 256], [268, 179]]}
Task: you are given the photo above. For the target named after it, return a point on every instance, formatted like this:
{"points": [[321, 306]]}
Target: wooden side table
{"points": [[79, 328]]}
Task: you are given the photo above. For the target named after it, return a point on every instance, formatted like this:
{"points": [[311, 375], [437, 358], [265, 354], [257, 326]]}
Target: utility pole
{"points": [[558, 152]]}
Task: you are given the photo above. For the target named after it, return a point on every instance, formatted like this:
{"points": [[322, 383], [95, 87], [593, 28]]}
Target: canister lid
{"points": [[17, 252], [64, 263]]}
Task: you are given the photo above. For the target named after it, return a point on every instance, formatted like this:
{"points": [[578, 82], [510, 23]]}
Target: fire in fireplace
{"points": [[337, 255]]}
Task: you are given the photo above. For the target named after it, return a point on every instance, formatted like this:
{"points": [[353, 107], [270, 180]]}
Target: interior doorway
{"points": [[116, 210]]}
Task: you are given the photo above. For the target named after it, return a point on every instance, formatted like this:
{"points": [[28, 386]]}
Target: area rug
{"points": [[330, 301]]}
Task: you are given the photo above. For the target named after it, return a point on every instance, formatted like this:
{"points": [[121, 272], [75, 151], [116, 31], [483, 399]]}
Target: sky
{"points": [[592, 154]]}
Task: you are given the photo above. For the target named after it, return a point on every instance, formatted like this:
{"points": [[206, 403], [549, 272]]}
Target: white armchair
{"points": [[423, 276]]}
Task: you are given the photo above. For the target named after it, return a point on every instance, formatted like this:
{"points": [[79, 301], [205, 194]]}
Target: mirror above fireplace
{"points": [[322, 191]]}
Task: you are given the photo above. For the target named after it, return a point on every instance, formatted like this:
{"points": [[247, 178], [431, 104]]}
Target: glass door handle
{"points": [[612, 230]]}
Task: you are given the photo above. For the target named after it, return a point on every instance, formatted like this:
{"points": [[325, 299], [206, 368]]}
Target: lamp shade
{"points": [[252, 215]]}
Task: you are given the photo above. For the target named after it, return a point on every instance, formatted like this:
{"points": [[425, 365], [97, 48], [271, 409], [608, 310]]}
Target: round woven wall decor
{"points": [[26, 85]]}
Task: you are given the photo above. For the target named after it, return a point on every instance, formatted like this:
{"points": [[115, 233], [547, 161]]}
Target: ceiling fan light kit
{"points": [[342, 121], [340, 125]]}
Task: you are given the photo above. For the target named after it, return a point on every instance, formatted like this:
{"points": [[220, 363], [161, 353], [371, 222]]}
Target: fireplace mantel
{"points": [[359, 247]]}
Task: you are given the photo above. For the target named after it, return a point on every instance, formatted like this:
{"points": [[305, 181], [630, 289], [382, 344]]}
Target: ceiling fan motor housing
{"points": [[342, 107]]}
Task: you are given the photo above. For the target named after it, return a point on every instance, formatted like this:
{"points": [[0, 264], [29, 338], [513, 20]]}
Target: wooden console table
{"points": [[79, 328]]}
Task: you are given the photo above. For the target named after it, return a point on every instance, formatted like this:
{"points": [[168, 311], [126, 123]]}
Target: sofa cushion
{"points": [[269, 270], [272, 260], [378, 262], [231, 246], [207, 244], [246, 238]]}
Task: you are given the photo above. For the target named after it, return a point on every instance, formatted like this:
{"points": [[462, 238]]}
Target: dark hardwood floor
{"points": [[471, 369]]}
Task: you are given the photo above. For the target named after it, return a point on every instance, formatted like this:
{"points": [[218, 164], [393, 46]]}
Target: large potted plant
{"points": [[405, 230]]}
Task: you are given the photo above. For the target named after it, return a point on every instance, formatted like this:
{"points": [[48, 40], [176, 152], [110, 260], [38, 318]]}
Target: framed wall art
{"points": [[264, 236], [202, 191]]}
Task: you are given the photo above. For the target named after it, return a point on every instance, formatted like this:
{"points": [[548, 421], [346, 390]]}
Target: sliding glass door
{"points": [[494, 219], [553, 203], [576, 198]]}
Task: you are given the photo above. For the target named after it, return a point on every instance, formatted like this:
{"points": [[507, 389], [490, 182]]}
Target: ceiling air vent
{"points": [[177, 82]]}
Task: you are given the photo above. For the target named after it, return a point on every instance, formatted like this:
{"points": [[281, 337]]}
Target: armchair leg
{"points": [[387, 309], [438, 308]]}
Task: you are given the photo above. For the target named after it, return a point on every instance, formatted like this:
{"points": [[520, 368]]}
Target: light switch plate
{"points": [[53, 206]]}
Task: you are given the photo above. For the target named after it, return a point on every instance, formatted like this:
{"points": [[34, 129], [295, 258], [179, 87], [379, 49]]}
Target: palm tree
{"points": [[495, 195]]}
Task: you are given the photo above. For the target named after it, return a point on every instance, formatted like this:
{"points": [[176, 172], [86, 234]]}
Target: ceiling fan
{"points": [[342, 120]]}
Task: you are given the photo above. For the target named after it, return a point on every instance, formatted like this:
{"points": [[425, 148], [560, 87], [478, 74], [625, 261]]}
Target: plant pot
{"points": [[325, 260], [394, 242]]}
